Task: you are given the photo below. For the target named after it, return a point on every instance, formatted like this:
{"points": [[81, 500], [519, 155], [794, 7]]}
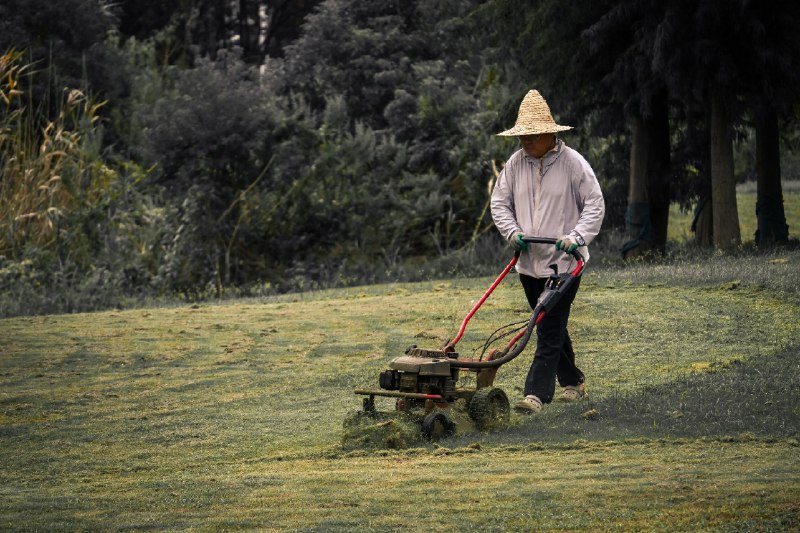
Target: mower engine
{"points": [[423, 383], [426, 372]]}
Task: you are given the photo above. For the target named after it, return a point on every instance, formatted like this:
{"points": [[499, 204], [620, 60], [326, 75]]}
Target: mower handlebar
{"points": [[548, 240], [540, 240]]}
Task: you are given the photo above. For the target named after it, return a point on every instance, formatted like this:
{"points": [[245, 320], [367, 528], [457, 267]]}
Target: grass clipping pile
{"points": [[399, 429], [380, 430]]}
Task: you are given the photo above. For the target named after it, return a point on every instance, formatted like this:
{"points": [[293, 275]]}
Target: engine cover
{"points": [[421, 365]]}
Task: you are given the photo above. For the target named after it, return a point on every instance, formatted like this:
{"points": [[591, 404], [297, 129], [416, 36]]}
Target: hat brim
{"points": [[516, 131]]}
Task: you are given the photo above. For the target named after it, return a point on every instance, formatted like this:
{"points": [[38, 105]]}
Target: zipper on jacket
{"points": [[537, 186]]}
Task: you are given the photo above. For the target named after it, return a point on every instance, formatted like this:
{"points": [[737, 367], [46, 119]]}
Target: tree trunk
{"points": [[770, 214], [659, 171], [723, 184], [703, 221], [647, 215], [637, 215], [703, 224], [250, 30], [211, 28]]}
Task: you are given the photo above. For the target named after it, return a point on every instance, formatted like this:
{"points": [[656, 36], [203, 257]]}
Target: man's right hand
{"points": [[516, 242]]}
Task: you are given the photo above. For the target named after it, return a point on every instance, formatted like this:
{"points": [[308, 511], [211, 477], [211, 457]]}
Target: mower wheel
{"points": [[490, 409], [437, 425]]}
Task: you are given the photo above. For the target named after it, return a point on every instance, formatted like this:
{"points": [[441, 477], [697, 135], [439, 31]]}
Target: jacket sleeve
{"points": [[593, 207], [503, 213]]}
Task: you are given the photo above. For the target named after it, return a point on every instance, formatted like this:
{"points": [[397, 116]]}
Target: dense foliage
{"points": [[208, 146]]}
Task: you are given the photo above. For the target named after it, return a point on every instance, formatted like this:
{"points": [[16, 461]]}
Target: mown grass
{"points": [[229, 416]]}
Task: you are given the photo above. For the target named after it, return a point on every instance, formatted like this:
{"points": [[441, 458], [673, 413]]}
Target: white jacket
{"points": [[548, 197]]}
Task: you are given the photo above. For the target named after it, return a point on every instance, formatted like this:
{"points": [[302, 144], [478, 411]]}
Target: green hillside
{"points": [[229, 416]]}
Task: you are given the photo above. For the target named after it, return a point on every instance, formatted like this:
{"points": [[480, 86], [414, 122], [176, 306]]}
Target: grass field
{"points": [[213, 417]]}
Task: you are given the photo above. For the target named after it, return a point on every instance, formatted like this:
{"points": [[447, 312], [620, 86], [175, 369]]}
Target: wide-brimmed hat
{"points": [[534, 118]]}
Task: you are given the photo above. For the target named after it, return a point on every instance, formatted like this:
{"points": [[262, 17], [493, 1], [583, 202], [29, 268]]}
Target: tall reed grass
{"points": [[45, 167]]}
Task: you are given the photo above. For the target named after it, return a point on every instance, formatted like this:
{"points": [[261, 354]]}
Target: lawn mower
{"points": [[423, 381]]}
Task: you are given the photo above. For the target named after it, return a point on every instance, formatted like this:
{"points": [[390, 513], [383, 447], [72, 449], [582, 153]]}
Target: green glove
{"points": [[516, 242], [566, 243]]}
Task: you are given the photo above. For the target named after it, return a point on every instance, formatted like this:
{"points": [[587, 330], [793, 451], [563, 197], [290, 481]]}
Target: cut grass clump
{"points": [[380, 430]]}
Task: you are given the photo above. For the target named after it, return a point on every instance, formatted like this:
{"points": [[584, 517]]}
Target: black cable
{"points": [[492, 339]]}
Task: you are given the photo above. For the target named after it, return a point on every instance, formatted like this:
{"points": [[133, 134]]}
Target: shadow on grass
{"points": [[758, 396]]}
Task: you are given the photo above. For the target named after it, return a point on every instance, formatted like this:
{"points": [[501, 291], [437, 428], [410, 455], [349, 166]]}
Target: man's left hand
{"points": [[567, 243]]}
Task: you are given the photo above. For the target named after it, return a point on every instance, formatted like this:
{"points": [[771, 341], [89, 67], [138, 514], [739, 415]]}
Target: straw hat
{"points": [[534, 118]]}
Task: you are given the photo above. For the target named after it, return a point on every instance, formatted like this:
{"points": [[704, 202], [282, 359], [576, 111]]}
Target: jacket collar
{"points": [[550, 157]]}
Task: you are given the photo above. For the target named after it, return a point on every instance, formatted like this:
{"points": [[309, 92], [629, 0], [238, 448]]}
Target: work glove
{"points": [[567, 243], [516, 242]]}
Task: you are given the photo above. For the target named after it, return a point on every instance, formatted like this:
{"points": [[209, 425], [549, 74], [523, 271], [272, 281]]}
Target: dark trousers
{"points": [[554, 356]]}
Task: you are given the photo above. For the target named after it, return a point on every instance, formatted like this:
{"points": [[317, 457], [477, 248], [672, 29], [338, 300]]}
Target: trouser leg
{"points": [[568, 372], [554, 353]]}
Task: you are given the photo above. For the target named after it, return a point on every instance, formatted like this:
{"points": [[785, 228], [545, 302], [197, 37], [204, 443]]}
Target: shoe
{"points": [[530, 405], [573, 393]]}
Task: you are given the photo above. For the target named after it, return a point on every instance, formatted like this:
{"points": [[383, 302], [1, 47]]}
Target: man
{"points": [[547, 189]]}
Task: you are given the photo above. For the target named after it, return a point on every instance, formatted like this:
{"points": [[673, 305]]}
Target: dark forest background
{"points": [[199, 148]]}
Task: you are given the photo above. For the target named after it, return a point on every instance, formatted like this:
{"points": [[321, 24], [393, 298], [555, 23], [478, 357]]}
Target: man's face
{"points": [[537, 145]]}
